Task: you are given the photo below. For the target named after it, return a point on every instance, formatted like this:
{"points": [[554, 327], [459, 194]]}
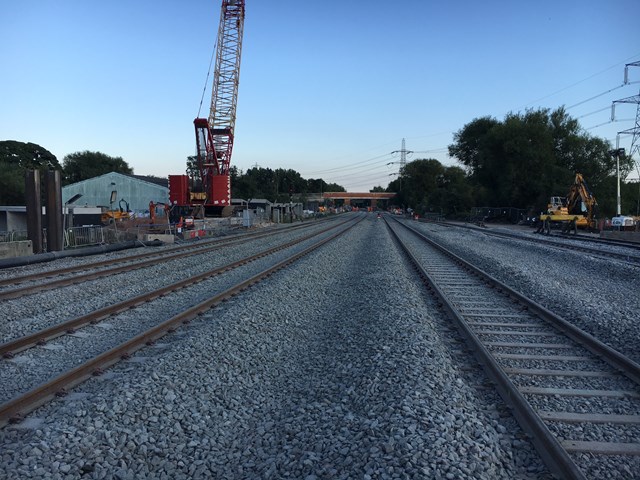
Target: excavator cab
{"points": [[557, 205]]}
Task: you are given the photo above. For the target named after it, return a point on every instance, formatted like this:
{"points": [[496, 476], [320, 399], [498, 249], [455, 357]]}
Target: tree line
{"points": [[277, 185], [18, 157], [518, 162]]}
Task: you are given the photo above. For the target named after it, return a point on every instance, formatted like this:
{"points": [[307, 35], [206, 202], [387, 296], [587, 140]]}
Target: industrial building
{"points": [[134, 190]]}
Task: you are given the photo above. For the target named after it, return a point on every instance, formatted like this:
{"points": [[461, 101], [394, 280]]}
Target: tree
{"points": [[15, 159], [334, 187], [84, 165], [528, 157], [192, 167], [377, 189], [275, 185], [426, 185]]}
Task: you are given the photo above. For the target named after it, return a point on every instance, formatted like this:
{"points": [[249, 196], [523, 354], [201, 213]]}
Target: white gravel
{"points": [[340, 367], [35, 366], [598, 295]]}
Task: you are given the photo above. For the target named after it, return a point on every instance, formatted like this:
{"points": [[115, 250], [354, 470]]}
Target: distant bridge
{"points": [[348, 197]]}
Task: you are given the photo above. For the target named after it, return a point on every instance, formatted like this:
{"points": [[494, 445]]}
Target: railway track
{"points": [[60, 277], [628, 252], [26, 401], [578, 398]]}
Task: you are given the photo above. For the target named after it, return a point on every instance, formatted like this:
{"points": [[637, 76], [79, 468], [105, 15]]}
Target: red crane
{"points": [[207, 189]]}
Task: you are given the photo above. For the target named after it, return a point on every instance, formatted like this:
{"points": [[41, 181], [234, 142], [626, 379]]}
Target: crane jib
{"points": [[207, 185]]}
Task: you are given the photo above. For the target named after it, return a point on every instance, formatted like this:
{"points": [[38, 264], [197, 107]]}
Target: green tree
{"points": [[377, 189], [528, 157], [192, 167], [453, 194], [275, 185], [630, 201], [334, 187], [427, 186], [84, 165], [15, 159]]}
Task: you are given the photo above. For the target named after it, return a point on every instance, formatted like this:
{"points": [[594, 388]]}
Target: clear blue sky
{"points": [[328, 88]]}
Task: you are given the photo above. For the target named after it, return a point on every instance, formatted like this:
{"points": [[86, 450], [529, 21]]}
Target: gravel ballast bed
{"points": [[597, 295], [49, 307], [337, 368], [36, 366]]}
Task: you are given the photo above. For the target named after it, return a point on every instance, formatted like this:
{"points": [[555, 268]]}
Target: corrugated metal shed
{"points": [[97, 191]]}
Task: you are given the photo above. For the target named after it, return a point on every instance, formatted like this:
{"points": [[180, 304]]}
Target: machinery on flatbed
{"points": [[576, 210], [206, 191]]}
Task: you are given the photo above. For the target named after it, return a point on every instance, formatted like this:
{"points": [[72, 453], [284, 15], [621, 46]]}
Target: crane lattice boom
{"points": [[215, 135], [224, 95]]}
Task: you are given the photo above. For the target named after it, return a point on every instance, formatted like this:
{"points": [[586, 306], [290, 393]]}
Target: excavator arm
{"points": [[580, 199]]}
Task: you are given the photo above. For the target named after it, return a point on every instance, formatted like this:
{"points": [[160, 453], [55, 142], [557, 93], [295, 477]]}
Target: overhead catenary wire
{"points": [[366, 165], [610, 121]]}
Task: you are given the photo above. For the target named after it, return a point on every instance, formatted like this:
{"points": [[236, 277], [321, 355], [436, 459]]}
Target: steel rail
{"points": [[127, 267], [10, 348], [632, 260], [167, 251], [550, 449], [88, 266], [612, 242], [17, 408], [627, 366]]}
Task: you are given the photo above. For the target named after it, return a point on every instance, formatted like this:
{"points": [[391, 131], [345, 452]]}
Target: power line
{"points": [[579, 81], [610, 121], [351, 167], [595, 96], [594, 112]]}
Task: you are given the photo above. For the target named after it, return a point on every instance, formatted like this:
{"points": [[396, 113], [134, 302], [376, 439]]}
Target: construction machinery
{"points": [[576, 210], [153, 213], [206, 190], [110, 215]]}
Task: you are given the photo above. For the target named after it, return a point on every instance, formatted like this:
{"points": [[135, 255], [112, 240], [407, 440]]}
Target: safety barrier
{"points": [[14, 236], [83, 236]]}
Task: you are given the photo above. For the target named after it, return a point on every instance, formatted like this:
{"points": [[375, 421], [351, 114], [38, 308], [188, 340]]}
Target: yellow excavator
{"points": [[576, 210]]}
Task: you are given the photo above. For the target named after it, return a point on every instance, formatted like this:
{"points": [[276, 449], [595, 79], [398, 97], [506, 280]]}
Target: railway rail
{"points": [[578, 398], [16, 408], [597, 240], [61, 277], [567, 242]]}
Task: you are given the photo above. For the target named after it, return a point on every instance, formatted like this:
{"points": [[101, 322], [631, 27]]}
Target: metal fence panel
{"points": [[14, 236], [83, 236]]}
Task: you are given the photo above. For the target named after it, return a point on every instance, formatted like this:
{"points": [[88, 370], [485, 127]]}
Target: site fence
{"points": [[434, 217], [498, 214], [83, 236], [14, 236]]}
